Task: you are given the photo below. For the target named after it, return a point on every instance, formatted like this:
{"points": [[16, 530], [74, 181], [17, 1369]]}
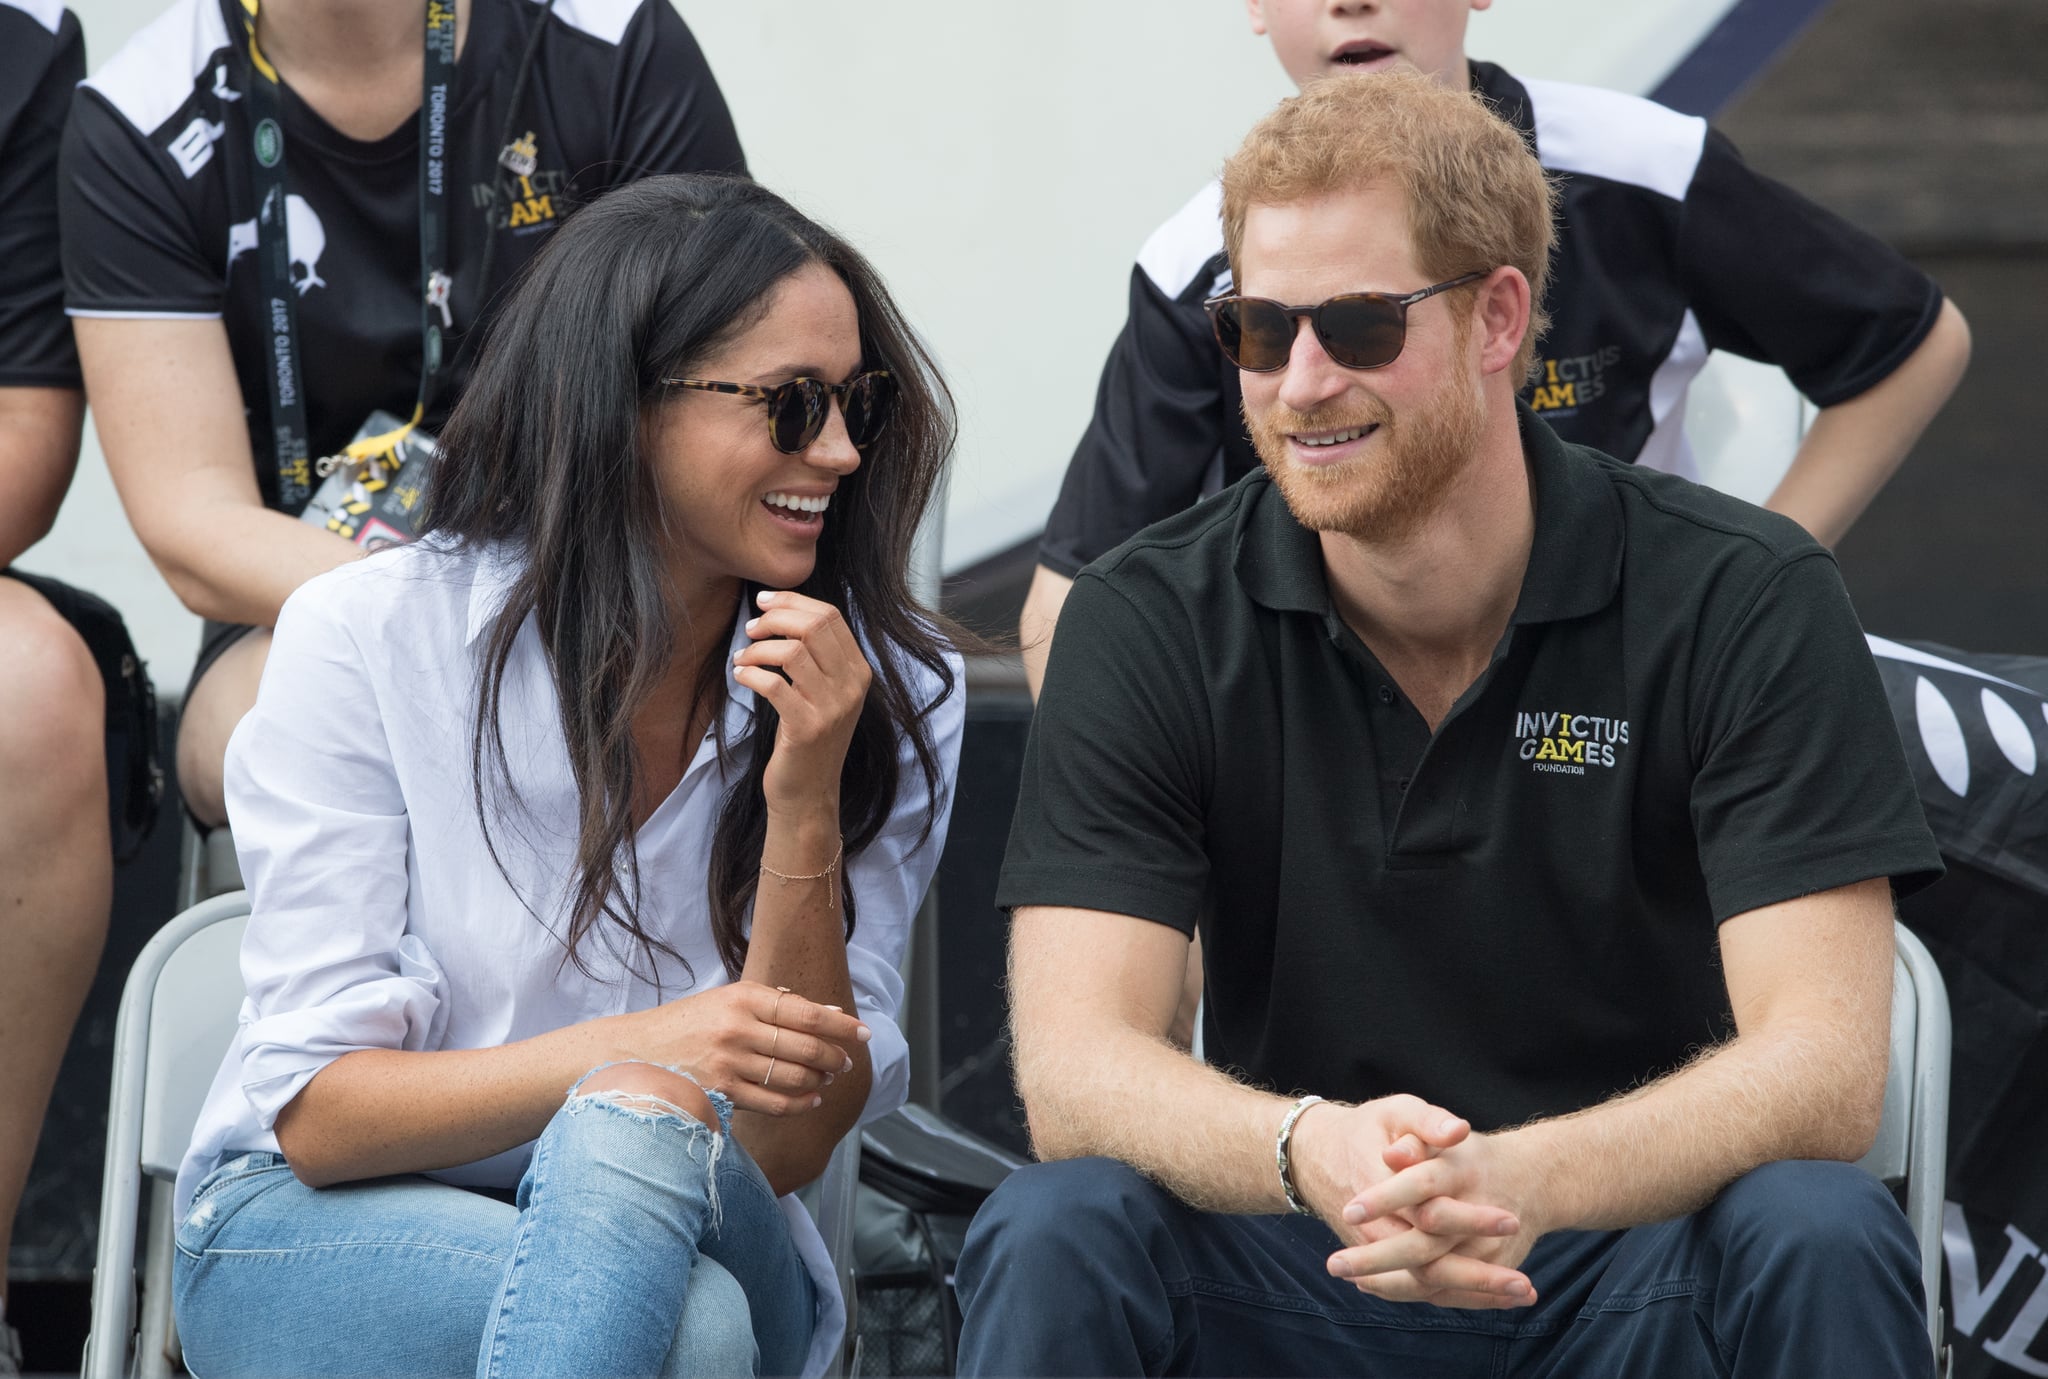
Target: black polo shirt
{"points": [[1515, 916]]}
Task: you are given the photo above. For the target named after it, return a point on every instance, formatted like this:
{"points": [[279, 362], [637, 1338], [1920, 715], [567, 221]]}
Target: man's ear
{"points": [[1256, 11], [1501, 311]]}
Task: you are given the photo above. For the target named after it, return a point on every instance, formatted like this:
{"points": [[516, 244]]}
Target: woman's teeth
{"points": [[797, 503]]}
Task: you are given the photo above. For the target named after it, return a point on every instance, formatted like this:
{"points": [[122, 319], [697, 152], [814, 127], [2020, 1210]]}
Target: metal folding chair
{"points": [[207, 865], [1912, 1140], [178, 1015]]}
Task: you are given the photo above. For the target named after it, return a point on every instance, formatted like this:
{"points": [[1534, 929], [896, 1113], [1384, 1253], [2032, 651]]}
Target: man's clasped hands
{"points": [[1428, 1210]]}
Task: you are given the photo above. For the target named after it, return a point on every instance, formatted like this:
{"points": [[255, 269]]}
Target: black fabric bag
{"points": [[1975, 728], [135, 777], [922, 1179]]}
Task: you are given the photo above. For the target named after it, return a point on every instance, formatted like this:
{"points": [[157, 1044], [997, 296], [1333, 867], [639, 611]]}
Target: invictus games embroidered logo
{"points": [[1566, 744], [1565, 385], [524, 203], [269, 143]]}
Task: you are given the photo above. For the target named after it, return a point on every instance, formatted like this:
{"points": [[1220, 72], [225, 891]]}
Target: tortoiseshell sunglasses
{"points": [[797, 409]]}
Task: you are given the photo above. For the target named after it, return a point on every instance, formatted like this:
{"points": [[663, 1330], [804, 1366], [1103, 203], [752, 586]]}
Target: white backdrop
{"points": [[1001, 164]]}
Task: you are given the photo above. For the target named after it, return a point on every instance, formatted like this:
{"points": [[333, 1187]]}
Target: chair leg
{"points": [[156, 1341], [192, 886]]}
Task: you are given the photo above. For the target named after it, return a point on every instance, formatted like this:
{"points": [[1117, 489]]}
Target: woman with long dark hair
{"points": [[583, 836]]}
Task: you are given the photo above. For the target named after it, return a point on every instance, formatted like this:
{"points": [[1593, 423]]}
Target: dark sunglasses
{"points": [[1360, 330], [797, 409]]}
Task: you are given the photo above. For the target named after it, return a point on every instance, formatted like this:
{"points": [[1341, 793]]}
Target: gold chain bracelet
{"points": [[832, 896]]}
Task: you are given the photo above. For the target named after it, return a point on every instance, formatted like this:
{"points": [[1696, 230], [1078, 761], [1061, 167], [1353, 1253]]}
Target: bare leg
{"points": [[56, 865], [212, 709]]}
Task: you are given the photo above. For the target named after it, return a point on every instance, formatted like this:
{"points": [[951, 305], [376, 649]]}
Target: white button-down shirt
{"points": [[378, 918]]}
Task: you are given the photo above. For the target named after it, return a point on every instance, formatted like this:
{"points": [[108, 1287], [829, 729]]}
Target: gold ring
{"points": [[773, 1010], [773, 1042], [770, 1073]]}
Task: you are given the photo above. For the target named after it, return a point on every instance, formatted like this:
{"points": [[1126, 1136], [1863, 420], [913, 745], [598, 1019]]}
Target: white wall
{"points": [[1001, 164]]}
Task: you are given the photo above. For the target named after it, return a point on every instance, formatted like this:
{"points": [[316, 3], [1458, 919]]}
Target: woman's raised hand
{"points": [[818, 693], [769, 1050]]}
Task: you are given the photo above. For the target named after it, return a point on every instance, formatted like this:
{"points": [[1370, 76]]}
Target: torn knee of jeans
{"points": [[640, 1103], [652, 1105], [657, 1110]]}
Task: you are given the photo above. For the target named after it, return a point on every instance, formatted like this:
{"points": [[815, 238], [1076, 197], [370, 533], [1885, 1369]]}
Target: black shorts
{"points": [[214, 640], [135, 777]]}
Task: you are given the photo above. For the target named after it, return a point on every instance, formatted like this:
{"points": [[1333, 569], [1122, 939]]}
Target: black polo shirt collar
{"points": [[1574, 560]]}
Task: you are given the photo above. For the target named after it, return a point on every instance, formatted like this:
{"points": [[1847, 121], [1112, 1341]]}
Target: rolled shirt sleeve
{"points": [[889, 878], [322, 834]]}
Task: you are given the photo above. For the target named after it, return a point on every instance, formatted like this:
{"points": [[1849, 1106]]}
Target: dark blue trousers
{"points": [[1086, 1268]]}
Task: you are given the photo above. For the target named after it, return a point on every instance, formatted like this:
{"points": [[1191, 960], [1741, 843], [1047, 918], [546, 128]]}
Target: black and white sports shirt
{"points": [[159, 214], [42, 56], [1669, 246]]}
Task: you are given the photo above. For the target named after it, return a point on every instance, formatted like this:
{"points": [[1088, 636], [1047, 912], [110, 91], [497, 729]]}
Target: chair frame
{"points": [[114, 1283], [1916, 1100]]}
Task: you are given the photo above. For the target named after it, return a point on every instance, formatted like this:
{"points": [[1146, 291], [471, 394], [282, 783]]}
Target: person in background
{"points": [[1539, 815], [414, 156], [575, 931], [65, 782], [1669, 247]]}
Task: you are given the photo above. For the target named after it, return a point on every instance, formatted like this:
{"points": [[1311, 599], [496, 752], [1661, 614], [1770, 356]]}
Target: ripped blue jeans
{"points": [[641, 1242]]}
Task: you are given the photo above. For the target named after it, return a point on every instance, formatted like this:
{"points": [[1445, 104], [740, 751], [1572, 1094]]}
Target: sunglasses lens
{"points": [[1362, 331], [796, 415], [1256, 335], [867, 406]]}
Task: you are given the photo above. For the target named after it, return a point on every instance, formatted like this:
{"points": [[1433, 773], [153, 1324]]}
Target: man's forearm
{"points": [[1092, 999], [1854, 447], [1100, 1089], [1806, 1092]]}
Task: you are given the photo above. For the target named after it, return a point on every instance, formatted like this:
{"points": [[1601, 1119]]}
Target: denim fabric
{"points": [[642, 1242], [1796, 1269]]}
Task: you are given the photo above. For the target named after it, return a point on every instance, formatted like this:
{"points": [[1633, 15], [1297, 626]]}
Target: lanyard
{"points": [[285, 375]]}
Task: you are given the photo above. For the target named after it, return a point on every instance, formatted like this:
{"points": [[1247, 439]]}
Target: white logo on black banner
{"points": [[1974, 1294], [1999, 715], [303, 231]]}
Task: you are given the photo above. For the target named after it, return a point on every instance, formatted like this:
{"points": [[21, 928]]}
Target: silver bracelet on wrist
{"points": [[1280, 1159]]}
